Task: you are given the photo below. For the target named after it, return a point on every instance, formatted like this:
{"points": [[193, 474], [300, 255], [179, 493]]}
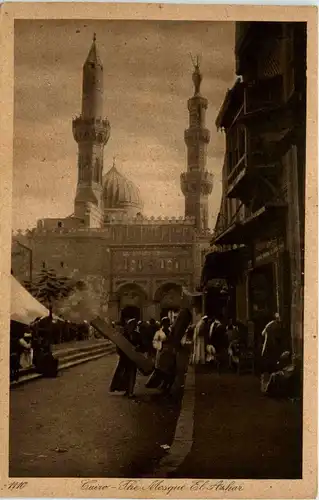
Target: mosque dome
{"points": [[119, 192]]}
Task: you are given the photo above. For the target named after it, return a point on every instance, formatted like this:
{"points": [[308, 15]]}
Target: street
{"points": [[73, 427], [239, 433]]}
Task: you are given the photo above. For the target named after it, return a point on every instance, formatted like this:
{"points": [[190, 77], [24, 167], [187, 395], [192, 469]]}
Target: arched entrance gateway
{"points": [[130, 312], [168, 299], [131, 301]]}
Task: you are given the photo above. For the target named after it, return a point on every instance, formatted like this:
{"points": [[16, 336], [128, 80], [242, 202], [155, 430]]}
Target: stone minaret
{"points": [[197, 182], [91, 131]]}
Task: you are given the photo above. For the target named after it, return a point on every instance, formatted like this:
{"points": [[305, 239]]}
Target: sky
{"points": [[147, 82]]}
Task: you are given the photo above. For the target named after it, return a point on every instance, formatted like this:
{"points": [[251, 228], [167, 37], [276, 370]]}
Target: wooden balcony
{"points": [[260, 160], [230, 236], [238, 178], [263, 96], [264, 163], [243, 232]]}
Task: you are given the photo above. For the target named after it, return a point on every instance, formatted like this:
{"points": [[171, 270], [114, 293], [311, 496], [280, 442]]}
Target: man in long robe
{"points": [[201, 332], [165, 362], [274, 344], [125, 374]]}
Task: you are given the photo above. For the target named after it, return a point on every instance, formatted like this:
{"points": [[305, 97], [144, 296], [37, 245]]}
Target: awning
{"points": [[25, 308], [222, 265]]}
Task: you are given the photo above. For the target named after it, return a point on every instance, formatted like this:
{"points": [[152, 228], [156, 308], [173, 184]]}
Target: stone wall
{"points": [[66, 223], [139, 231], [70, 255], [97, 258]]}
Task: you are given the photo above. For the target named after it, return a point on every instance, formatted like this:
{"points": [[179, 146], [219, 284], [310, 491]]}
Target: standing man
{"points": [[26, 356], [218, 339], [273, 344], [165, 362], [201, 332], [125, 374]]}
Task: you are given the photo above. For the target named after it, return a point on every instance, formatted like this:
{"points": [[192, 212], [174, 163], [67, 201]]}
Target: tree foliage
{"points": [[48, 287]]}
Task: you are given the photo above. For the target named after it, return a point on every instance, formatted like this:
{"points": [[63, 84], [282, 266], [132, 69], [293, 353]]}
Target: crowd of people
{"points": [[214, 343]]}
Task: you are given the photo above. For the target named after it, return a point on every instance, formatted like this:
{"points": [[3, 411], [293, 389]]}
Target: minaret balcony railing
{"points": [[194, 135], [95, 130], [97, 122], [200, 182], [199, 175], [196, 101]]}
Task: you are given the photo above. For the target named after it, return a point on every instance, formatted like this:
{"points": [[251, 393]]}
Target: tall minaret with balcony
{"points": [[197, 182], [91, 131]]}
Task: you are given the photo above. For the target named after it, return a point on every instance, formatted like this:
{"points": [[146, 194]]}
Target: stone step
{"points": [[73, 356], [62, 353], [68, 358]]}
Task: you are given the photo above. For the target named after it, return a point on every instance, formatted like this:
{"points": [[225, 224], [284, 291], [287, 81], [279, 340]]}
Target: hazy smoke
{"points": [[82, 305]]}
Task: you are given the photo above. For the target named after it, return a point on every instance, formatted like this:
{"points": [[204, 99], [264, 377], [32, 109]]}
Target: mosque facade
{"points": [[134, 265]]}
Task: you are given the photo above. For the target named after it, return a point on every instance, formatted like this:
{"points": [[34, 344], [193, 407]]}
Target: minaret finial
{"points": [[94, 37], [114, 160], [197, 76]]}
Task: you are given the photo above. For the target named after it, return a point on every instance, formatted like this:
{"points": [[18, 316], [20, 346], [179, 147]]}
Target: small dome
{"points": [[119, 192]]}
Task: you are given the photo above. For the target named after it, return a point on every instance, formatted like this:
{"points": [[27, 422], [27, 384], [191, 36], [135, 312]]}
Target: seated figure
{"points": [[282, 382]]}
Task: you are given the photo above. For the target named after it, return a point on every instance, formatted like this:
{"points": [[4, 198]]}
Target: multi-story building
{"points": [[260, 226], [133, 265]]}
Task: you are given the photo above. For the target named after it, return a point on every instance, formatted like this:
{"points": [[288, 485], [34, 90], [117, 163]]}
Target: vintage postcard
{"points": [[158, 251]]}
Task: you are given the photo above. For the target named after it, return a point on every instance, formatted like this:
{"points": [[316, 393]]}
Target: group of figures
{"points": [[280, 375], [160, 341], [215, 342], [31, 349], [221, 342]]}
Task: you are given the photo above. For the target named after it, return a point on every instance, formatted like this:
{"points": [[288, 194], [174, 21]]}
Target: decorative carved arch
{"points": [[132, 287], [165, 288]]}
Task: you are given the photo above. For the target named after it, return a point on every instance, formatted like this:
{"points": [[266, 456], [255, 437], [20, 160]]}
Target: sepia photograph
{"points": [[157, 253]]}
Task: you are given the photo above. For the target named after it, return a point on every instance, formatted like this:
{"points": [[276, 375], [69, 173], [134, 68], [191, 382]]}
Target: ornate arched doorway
{"points": [[130, 312], [131, 301], [168, 299]]}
